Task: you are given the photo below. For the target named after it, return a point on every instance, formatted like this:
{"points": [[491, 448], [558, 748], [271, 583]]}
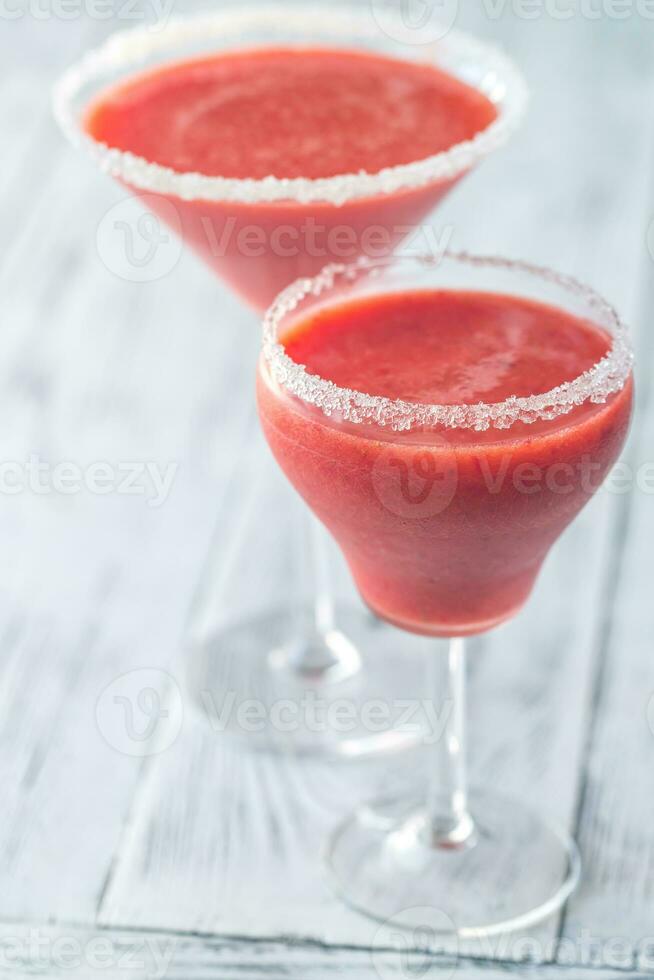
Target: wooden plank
{"points": [[72, 951], [35, 49], [97, 585], [616, 899]]}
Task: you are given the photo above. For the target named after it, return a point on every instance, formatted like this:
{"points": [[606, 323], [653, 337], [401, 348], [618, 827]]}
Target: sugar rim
{"points": [[505, 87], [596, 384]]}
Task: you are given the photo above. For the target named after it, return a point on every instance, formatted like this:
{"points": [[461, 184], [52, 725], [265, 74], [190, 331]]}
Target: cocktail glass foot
{"points": [[349, 690], [453, 864], [387, 862]]}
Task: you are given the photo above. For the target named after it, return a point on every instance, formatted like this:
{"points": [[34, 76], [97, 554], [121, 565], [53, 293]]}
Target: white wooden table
{"points": [[201, 860]]}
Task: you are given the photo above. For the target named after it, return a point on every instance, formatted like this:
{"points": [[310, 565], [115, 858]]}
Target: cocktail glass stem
{"points": [[322, 652], [426, 868], [449, 823], [323, 605]]}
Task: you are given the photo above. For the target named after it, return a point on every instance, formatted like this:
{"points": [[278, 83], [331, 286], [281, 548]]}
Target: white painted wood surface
{"points": [[203, 838]]}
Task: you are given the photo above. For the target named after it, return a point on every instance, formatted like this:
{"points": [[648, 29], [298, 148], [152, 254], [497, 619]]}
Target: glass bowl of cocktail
{"points": [[276, 139], [446, 420]]}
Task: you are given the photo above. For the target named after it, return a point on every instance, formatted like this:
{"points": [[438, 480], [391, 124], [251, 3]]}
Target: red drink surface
{"points": [[290, 113], [445, 531]]}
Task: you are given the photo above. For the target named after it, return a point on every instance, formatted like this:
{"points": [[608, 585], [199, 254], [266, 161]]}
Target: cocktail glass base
{"points": [[512, 870], [352, 691]]}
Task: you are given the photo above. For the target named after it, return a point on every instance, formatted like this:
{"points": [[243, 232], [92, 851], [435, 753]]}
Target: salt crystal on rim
{"points": [[596, 384], [127, 49]]}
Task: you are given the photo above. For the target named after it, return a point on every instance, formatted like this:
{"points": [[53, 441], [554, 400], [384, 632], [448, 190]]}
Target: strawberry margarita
{"points": [[444, 526], [281, 158]]}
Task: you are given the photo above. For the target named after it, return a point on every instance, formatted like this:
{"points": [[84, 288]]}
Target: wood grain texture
{"points": [[616, 900], [92, 369], [72, 951]]}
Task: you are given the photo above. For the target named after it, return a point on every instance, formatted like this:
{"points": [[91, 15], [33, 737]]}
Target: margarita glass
{"points": [[217, 214], [345, 358]]}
